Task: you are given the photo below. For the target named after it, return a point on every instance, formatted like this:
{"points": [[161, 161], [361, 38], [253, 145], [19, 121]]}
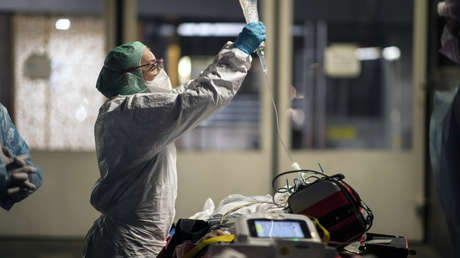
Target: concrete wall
{"points": [[61, 208]]}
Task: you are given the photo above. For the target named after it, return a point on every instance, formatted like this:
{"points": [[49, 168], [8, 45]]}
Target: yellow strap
{"points": [[204, 243], [326, 234]]}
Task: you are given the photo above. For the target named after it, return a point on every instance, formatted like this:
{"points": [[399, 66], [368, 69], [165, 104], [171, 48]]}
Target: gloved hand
{"points": [[18, 171], [250, 37]]}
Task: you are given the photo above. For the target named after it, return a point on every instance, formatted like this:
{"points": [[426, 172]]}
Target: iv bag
{"points": [[250, 10], [252, 15]]}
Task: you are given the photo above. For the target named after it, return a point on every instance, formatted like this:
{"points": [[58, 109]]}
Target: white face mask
{"points": [[161, 83]]}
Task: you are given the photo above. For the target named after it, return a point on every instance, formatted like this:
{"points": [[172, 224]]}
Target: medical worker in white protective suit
{"points": [[135, 133]]}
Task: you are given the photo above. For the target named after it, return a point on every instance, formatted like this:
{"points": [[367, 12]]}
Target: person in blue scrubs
{"points": [[19, 177]]}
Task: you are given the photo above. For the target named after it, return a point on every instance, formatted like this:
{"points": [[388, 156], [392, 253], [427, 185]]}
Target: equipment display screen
{"points": [[265, 228]]}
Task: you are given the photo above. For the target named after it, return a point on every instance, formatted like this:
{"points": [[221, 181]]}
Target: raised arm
{"points": [[153, 120]]}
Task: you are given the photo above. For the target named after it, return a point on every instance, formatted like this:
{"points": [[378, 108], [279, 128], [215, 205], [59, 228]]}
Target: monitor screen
{"points": [[266, 228]]}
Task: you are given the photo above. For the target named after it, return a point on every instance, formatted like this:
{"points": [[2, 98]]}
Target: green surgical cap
{"points": [[111, 82]]}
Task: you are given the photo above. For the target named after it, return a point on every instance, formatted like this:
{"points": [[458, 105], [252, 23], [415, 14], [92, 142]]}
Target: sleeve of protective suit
{"points": [[153, 120], [12, 140]]}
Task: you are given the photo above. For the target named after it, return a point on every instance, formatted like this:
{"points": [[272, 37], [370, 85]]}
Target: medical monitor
{"points": [[269, 228]]}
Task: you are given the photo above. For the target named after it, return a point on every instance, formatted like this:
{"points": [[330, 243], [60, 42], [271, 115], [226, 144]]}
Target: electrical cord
{"points": [[304, 171], [338, 178], [284, 190]]}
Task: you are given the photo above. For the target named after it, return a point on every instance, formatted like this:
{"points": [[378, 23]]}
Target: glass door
{"points": [[351, 99]]}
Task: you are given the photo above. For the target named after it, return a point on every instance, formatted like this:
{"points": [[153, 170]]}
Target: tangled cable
{"points": [[308, 177]]}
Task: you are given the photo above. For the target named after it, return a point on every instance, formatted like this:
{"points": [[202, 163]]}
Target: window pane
{"points": [[353, 75], [57, 62]]}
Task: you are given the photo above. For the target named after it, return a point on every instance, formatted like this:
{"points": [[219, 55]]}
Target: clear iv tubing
{"points": [[261, 55], [251, 15], [294, 164]]}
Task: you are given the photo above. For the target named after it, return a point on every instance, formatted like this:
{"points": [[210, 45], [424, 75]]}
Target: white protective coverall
{"points": [[135, 135]]}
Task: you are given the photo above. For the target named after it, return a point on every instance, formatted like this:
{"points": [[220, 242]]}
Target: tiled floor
{"points": [[72, 249]]}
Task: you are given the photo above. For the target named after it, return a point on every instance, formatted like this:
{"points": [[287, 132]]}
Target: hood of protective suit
{"points": [[111, 82]]}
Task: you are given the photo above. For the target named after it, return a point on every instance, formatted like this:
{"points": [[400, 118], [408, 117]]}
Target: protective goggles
{"points": [[152, 65]]}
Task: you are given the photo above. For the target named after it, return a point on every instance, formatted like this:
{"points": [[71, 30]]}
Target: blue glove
{"points": [[250, 38]]}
